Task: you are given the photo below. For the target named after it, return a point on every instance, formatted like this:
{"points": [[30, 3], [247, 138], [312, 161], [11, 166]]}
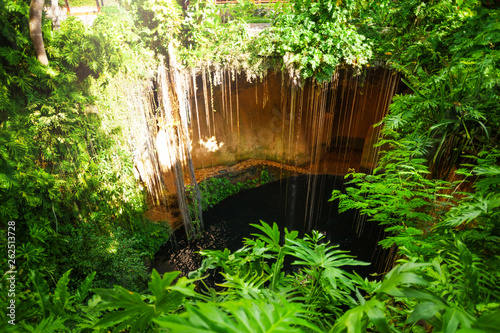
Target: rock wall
{"points": [[269, 119], [206, 124]]}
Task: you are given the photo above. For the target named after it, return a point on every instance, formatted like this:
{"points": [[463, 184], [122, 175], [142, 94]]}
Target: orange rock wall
{"points": [[269, 119]]}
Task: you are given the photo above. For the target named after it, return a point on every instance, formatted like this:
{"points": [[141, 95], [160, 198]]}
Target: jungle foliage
{"points": [[263, 292], [215, 189], [314, 38], [66, 176], [66, 179], [436, 186]]}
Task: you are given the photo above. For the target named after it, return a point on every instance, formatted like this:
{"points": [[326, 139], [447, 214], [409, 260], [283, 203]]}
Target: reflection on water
{"points": [[297, 203]]}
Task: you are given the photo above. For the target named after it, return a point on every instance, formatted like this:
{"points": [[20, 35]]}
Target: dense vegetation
{"points": [[66, 175], [66, 172], [215, 189]]}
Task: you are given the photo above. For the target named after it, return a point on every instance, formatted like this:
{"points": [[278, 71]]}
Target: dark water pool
{"points": [[298, 203]]}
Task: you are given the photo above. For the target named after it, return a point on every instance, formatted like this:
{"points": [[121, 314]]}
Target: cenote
{"points": [[156, 129], [226, 124], [297, 203]]}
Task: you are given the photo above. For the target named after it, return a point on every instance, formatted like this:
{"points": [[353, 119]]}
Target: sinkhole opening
{"points": [[221, 124], [298, 203]]}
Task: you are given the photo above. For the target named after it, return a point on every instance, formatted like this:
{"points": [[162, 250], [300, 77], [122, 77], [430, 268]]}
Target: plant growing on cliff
{"points": [[216, 189], [159, 22], [208, 40], [314, 38]]}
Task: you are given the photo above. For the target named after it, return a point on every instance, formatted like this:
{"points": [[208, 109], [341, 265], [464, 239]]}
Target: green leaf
{"points": [[273, 234], [352, 320], [454, 317], [138, 311], [115, 317], [61, 295], [377, 317], [41, 290], [132, 303], [425, 310], [169, 301], [46, 325], [84, 288], [401, 275], [488, 322], [158, 285], [243, 316]]}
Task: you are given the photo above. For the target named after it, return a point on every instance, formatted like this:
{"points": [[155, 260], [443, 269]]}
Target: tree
{"points": [[54, 13], [35, 20]]}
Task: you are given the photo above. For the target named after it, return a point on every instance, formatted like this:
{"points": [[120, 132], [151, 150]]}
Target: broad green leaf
{"points": [[132, 303], [271, 235], [453, 317], [184, 286], [352, 320], [243, 316], [422, 294], [158, 285], [489, 322], [425, 311], [401, 275], [376, 315], [120, 298], [170, 301], [115, 317]]}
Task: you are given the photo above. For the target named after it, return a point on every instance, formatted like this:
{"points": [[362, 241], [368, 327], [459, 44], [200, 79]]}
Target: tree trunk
{"points": [[36, 8], [54, 13]]}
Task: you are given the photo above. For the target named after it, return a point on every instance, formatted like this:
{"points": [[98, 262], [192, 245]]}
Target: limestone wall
{"points": [[268, 119]]}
